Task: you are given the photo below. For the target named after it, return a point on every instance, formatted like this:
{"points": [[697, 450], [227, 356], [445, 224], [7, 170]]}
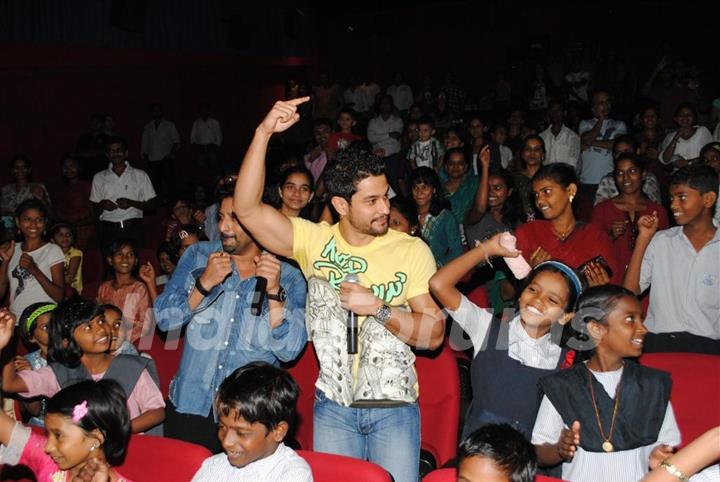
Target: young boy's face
{"points": [[425, 132], [499, 135], [245, 443], [322, 134], [346, 122], [687, 204], [480, 469]]}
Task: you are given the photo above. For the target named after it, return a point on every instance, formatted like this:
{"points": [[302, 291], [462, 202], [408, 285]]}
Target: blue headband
{"points": [[567, 271]]}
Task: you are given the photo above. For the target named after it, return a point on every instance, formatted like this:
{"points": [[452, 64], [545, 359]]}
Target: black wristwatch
{"points": [[281, 295], [201, 289]]}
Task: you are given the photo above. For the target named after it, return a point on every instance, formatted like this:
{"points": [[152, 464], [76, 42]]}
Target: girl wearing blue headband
{"points": [[510, 357]]}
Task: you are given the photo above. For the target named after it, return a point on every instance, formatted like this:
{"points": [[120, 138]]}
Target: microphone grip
{"points": [[352, 334], [259, 296]]}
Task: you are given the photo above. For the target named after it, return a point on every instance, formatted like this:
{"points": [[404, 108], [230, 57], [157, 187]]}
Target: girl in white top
{"points": [[34, 270], [608, 418], [682, 147]]}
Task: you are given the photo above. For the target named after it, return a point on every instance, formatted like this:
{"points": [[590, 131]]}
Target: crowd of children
{"points": [[602, 218]]}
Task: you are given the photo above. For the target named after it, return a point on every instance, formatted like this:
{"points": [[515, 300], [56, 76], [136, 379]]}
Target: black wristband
{"points": [[201, 289]]}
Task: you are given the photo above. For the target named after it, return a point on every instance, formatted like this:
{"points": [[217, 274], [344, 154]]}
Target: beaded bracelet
{"points": [[672, 470]]}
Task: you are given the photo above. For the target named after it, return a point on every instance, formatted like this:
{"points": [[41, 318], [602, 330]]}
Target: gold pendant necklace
{"points": [[607, 445], [565, 235]]}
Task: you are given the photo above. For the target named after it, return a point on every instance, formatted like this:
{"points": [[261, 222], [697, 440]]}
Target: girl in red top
{"points": [[560, 236], [618, 216]]}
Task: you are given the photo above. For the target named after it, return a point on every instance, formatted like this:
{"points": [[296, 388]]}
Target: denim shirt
{"points": [[222, 334]]}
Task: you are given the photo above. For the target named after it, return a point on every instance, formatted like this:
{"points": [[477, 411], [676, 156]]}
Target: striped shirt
{"points": [[621, 466], [282, 466]]}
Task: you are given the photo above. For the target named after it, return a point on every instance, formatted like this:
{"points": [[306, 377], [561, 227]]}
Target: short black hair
{"points": [[352, 166], [561, 173], [506, 447], [259, 392], [167, 249], [117, 244], [31, 204], [349, 111], [428, 176], [286, 173], [62, 224], [65, 319], [106, 412], [20, 157], [116, 140], [702, 178], [427, 120], [455, 150], [687, 105], [626, 139], [632, 157], [110, 307]]}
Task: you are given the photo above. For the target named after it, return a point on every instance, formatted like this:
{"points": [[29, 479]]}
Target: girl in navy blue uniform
{"points": [[510, 356]]}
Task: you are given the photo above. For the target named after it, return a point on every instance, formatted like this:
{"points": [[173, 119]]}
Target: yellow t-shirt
{"points": [[77, 282], [395, 266]]}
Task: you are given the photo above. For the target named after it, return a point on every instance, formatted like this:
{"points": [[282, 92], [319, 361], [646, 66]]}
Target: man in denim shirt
{"points": [[211, 292]]}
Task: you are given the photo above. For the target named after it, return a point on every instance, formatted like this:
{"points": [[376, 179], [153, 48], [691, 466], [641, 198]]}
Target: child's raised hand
{"points": [[7, 327], [660, 453], [485, 157], [283, 115], [648, 225], [21, 364], [94, 470], [569, 441], [499, 245], [6, 254], [147, 273]]}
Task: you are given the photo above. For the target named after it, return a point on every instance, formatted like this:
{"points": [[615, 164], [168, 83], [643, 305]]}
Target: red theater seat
{"points": [[333, 468], [696, 389], [150, 459], [305, 371], [439, 402]]}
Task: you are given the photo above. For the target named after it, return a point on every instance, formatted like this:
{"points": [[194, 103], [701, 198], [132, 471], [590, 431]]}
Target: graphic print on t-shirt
{"points": [[337, 265], [20, 274]]}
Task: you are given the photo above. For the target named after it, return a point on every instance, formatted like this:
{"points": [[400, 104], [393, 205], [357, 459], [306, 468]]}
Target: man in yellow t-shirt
{"points": [[365, 404]]}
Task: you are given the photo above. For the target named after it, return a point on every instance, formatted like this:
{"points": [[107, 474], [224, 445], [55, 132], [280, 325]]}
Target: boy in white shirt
{"points": [[255, 405], [427, 151]]}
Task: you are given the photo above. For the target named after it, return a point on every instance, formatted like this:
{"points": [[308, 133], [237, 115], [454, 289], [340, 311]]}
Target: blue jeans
{"points": [[388, 437]]}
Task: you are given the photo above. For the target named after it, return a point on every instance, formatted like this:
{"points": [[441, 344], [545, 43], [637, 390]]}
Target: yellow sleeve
{"points": [[302, 234], [422, 267]]}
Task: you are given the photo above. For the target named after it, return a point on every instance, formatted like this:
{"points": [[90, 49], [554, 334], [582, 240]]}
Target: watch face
{"points": [[383, 314]]}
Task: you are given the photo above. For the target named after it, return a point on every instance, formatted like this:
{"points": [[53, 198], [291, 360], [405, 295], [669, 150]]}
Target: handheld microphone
{"points": [[258, 296], [352, 325]]}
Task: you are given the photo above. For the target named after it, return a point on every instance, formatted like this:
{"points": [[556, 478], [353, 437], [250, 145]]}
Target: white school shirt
{"points": [[206, 132], [565, 147], [684, 284], [158, 142], [282, 466], [133, 184], [620, 466], [536, 353]]}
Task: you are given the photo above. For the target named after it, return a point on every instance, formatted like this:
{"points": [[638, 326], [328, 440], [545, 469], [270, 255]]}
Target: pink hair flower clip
{"points": [[79, 411]]}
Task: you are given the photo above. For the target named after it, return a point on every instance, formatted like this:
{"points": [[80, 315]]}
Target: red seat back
{"points": [[450, 475], [166, 355], [305, 371], [439, 402], [150, 458], [479, 296], [695, 392], [332, 468]]}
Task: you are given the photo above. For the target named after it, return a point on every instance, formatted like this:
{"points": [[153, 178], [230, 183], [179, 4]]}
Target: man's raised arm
{"points": [[268, 226]]}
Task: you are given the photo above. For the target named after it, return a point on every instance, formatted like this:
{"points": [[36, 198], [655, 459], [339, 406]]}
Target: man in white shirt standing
{"points": [[596, 138], [119, 195], [562, 144], [160, 142], [401, 93], [384, 133], [206, 139]]}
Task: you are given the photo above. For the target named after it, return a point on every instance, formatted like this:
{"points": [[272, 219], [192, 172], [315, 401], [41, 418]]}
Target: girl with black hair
{"points": [[510, 357], [437, 224], [609, 418], [80, 340], [560, 236], [33, 270], [296, 190]]}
